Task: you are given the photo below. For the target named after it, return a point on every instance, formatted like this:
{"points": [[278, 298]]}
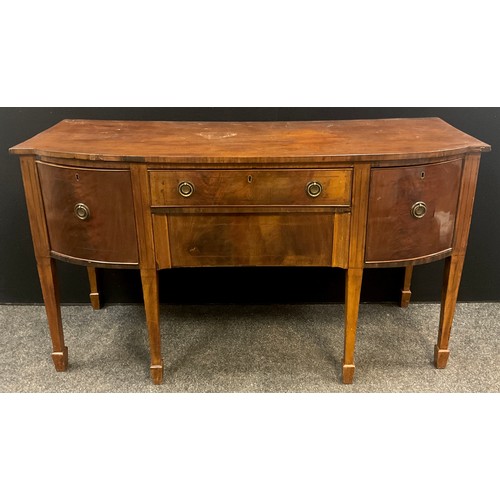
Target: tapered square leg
{"points": [[94, 290], [406, 292], [50, 290], [452, 275], [352, 294], [149, 279]]}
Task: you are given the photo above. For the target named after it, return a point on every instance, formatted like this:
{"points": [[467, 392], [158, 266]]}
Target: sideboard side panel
{"points": [[466, 203], [144, 222], [360, 191]]}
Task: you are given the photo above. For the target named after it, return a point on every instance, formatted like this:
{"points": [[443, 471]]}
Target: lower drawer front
{"points": [[251, 240]]}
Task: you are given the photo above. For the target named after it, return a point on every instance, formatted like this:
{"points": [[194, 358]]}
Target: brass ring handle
{"points": [[314, 189], [82, 211], [185, 189], [419, 209]]}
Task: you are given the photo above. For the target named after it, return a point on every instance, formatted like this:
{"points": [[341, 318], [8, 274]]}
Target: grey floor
{"points": [[229, 348]]}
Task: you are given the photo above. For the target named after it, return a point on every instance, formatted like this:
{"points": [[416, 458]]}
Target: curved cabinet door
{"points": [[411, 212], [89, 214]]}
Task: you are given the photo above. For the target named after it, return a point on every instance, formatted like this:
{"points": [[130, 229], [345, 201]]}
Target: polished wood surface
{"points": [[250, 205], [393, 233], [251, 187], [108, 234], [266, 142]]}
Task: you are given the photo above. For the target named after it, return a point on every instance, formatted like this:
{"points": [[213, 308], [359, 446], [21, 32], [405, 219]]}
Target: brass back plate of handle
{"points": [[82, 211], [418, 209], [313, 189], [185, 189]]}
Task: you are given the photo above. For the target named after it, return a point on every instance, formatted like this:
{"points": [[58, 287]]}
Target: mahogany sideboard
{"points": [[157, 195]]}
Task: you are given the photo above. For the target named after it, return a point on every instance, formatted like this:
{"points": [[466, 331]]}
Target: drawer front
{"points": [[89, 213], [412, 210], [251, 187], [250, 240]]}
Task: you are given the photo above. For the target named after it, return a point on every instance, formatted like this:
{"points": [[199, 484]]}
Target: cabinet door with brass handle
{"points": [[412, 211], [89, 213]]}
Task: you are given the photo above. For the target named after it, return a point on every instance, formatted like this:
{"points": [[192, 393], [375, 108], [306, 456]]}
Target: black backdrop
{"points": [[18, 278]]}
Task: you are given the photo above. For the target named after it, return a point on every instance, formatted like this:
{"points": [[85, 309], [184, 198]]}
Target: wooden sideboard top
{"points": [[250, 142]]}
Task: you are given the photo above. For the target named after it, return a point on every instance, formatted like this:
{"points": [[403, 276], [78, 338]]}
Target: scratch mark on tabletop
{"points": [[216, 135]]}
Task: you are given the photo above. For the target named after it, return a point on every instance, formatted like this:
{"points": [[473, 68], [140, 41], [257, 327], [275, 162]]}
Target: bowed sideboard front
{"points": [[216, 205]]}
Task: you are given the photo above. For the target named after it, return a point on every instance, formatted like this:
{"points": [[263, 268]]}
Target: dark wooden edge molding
{"points": [[414, 261], [245, 209], [94, 263]]}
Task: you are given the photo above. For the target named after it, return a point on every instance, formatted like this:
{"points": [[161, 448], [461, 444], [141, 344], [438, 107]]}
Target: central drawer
{"points": [[283, 187]]}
